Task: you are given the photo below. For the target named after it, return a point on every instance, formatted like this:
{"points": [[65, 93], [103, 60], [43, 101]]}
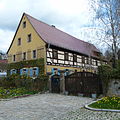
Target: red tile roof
{"points": [[56, 37], [3, 61]]}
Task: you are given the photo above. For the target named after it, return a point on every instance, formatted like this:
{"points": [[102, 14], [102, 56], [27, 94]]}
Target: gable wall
{"points": [[36, 43]]}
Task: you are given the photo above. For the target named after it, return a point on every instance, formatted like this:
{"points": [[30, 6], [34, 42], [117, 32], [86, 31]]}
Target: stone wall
{"points": [[114, 87]]}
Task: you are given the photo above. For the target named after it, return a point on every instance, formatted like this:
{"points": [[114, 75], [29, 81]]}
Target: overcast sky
{"points": [[71, 16]]}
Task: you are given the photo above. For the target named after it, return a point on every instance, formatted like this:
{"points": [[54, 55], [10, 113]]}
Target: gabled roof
{"points": [[56, 37]]}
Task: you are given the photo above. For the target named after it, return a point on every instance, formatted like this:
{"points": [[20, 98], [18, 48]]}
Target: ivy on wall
{"points": [[26, 64]]}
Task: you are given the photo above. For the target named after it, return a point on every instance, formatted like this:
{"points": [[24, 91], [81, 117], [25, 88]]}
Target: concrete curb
{"points": [[95, 109]]}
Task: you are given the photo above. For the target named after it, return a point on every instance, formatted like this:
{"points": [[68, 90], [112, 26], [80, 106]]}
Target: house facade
{"points": [[35, 40]]}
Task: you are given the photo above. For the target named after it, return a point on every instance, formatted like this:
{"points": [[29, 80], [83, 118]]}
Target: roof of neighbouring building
{"points": [[52, 35], [3, 61]]}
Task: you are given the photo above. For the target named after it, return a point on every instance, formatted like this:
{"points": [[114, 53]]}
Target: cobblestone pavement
{"points": [[40, 107], [84, 114], [51, 107]]}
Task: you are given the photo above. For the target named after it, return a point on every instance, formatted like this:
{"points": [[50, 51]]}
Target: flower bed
{"points": [[14, 92], [107, 103]]}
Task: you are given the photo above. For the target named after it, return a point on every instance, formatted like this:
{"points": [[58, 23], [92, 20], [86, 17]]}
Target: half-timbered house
{"points": [[35, 39]]}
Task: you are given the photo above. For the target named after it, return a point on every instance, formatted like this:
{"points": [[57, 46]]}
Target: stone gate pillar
{"points": [[62, 81], [49, 81]]}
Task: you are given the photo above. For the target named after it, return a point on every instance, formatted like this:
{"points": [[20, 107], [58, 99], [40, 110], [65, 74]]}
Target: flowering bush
{"points": [[107, 103]]}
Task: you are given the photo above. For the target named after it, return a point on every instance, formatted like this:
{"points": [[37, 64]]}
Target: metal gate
{"points": [[85, 83], [55, 84]]}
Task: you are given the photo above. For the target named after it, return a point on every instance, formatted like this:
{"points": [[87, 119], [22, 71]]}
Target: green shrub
{"points": [[17, 81]]}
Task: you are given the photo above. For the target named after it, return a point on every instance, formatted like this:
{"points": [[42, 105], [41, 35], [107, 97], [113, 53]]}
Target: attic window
{"points": [[29, 38], [19, 41], [24, 24]]}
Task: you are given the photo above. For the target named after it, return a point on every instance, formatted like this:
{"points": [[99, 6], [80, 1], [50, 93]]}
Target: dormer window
{"points": [[29, 38], [19, 41], [24, 24]]}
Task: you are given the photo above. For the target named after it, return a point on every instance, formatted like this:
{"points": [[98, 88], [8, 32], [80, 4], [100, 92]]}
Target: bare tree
{"points": [[107, 18]]}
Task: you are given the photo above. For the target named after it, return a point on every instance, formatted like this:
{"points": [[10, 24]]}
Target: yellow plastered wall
{"points": [[28, 47], [25, 46], [49, 68]]}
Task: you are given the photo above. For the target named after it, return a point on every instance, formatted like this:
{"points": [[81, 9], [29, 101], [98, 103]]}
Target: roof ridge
{"points": [[57, 29]]}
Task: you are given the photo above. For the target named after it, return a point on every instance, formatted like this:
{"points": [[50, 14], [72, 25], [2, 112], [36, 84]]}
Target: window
{"points": [[55, 54], [75, 58], [19, 41], [29, 38], [66, 56], [87, 60], [24, 24], [83, 59], [13, 71], [24, 56], [34, 53], [96, 63], [14, 57], [24, 71]]}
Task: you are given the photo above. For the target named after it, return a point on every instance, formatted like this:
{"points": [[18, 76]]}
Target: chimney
{"points": [[53, 26]]}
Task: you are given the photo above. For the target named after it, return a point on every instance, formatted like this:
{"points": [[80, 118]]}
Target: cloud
{"points": [[67, 15], [5, 39]]}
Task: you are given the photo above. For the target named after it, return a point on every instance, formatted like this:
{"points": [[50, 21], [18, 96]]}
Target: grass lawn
{"points": [[14, 92], [107, 103]]}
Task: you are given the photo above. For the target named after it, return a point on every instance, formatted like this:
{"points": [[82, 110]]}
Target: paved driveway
{"points": [[51, 107], [40, 107]]}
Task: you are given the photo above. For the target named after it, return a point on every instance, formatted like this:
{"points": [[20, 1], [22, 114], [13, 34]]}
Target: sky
{"points": [[71, 16]]}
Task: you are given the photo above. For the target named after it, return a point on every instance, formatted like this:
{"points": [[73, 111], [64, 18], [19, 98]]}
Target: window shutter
{"points": [[27, 71], [21, 71], [53, 71], [37, 71], [58, 71], [10, 72], [31, 72]]}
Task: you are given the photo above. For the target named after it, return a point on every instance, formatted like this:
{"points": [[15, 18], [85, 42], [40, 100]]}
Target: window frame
{"points": [[35, 54]]}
